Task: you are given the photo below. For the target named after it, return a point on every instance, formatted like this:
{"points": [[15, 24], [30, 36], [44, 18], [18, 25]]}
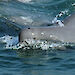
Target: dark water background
{"points": [[34, 62]]}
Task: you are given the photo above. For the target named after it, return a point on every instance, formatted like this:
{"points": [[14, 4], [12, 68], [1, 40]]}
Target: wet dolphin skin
{"points": [[65, 34]]}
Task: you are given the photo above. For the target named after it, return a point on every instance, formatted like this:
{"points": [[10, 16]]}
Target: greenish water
{"points": [[15, 15]]}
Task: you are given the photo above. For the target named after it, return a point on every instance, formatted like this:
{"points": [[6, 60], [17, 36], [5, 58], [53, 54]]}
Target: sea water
{"points": [[34, 57]]}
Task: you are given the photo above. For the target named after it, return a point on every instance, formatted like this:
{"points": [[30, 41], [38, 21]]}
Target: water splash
{"points": [[73, 4], [59, 22], [8, 41], [11, 42]]}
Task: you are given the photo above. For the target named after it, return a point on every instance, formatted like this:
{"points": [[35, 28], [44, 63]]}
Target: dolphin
{"points": [[56, 33]]}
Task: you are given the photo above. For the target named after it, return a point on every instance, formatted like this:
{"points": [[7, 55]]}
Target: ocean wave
{"points": [[21, 20], [25, 1], [29, 21]]}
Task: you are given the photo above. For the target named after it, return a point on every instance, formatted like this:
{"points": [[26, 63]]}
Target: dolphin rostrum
{"points": [[64, 34]]}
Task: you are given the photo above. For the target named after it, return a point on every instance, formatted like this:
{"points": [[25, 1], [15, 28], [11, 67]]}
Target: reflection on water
{"points": [[50, 62]]}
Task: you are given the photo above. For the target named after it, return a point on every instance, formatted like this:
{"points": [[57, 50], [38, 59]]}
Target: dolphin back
{"points": [[65, 34], [70, 21]]}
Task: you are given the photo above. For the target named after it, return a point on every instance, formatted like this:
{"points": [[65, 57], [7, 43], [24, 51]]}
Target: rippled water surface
{"points": [[48, 59]]}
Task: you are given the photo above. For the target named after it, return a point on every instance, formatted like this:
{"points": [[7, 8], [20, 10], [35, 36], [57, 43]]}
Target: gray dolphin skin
{"points": [[64, 34]]}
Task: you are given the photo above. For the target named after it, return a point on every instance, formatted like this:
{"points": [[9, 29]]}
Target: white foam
{"points": [[25, 1], [27, 19], [30, 44], [44, 46], [39, 44], [55, 20], [58, 21], [73, 4], [22, 20], [9, 40]]}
